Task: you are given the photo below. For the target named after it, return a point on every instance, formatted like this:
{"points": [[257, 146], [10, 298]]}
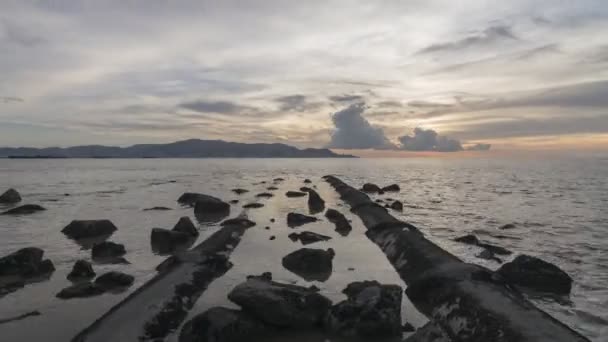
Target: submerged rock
{"points": [[158, 209], [10, 196], [239, 221], [397, 205], [24, 210], [240, 191], [471, 239], [307, 238], [278, 179], [82, 229], [310, 264], [166, 241], [253, 205], [114, 280], [295, 194], [272, 188], [307, 181], [25, 264], [371, 310], [507, 226], [305, 189], [343, 227], [536, 274], [234, 201], [370, 188], [282, 305], [488, 255], [315, 203], [264, 195], [208, 203], [82, 269], [391, 188], [185, 225], [80, 290], [108, 250], [295, 219], [220, 324]]}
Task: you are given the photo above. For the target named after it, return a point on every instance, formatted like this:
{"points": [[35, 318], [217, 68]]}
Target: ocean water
{"points": [[559, 208]]}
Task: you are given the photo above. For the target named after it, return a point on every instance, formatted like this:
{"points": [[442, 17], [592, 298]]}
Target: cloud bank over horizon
{"points": [[515, 74]]}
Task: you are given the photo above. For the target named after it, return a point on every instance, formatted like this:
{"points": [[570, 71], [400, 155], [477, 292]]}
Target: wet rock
{"points": [[507, 226], [272, 220], [82, 229], [295, 194], [488, 255], [114, 280], [82, 269], [239, 221], [469, 239], [343, 227], [305, 189], [370, 188], [10, 196], [307, 181], [20, 317], [282, 305], [240, 191], [108, 250], [379, 200], [165, 241], [267, 276], [157, 209], [536, 274], [185, 225], [391, 188], [272, 237], [306, 238], [296, 220], [80, 290], [267, 228], [234, 201], [220, 324], [25, 209], [205, 204], [279, 179], [315, 203], [272, 188], [431, 332], [264, 195], [397, 205], [23, 266], [371, 310], [310, 264], [253, 205], [407, 327]]}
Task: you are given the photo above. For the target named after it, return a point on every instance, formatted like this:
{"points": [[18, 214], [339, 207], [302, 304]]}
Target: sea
{"points": [[558, 206]]}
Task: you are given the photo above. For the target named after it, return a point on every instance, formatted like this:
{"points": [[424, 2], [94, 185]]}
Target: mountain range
{"points": [[192, 148]]}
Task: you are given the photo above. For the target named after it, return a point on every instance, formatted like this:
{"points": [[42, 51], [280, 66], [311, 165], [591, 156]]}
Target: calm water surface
{"points": [[559, 208]]}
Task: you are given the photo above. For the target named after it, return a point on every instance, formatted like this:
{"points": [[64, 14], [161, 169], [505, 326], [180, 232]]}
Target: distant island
{"points": [[192, 148]]}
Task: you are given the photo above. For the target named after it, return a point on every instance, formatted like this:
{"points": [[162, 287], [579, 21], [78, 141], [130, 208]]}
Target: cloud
{"points": [[429, 140], [389, 104], [488, 36], [296, 103], [220, 107], [479, 147], [347, 98], [8, 99], [353, 131]]}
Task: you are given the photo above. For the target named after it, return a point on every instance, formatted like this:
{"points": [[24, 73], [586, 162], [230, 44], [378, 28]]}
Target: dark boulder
{"points": [[239, 221], [272, 188], [25, 209], [25, 264], [307, 181], [220, 324], [306, 238], [536, 274], [310, 264], [305, 189], [165, 241], [343, 227], [114, 280], [391, 188], [315, 203], [185, 225], [282, 305], [468, 239], [82, 269], [210, 209], [370, 188], [253, 205], [295, 194], [10, 196], [397, 205], [234, 201], [107, 250], [371, 310], [82, 229], [240, 191], [264, 195], [158, 209], [80, 290], [208, 203], [295, 219]]}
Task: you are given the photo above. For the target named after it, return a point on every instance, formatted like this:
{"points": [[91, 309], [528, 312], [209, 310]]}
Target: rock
{"points": [[391, 188], [469, 239], [264, 195], [240, 191], [158, 208], [234, 201], [114, 280], [315, 203], [272, 237], [267, 276], [343, 227], [507, 226], [239, 221], [272, 220], [407, 327], [279, 179], [165, 241], [185, 225], [82, 229], [24, 210], [295, 219], [488, 255], [310, 264], [536, 274], [370, 188], [371, 310], [307, 181], [80, 290], [205, 204], [272, 188], [307, 238], [267, 228], [431, 332], [82, 269], [305, 189], [10, 196], [220, 324], [25, 264], [295, 194], [282, 305], [397, 205], [107, 250], [253, 205]]}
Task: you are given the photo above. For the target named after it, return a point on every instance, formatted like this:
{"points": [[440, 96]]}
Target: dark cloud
{"points": [[488, 36], [220, 107], [479, 147], [389, 104], [347, 98], [296, 103], [429, 140], [353, 131], [19, 35]]}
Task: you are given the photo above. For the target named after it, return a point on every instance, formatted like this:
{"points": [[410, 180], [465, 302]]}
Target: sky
{"points": [[413, 75]]}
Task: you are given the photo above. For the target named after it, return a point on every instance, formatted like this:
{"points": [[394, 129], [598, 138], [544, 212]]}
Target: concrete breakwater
{"points": [[464, 302]]}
